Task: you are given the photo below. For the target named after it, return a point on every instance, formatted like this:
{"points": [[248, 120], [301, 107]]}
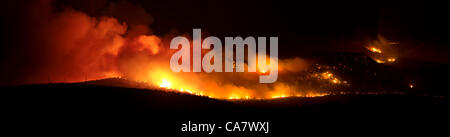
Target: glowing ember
{"points": [[313, 94], [335, 80], [329, 76], [234, 97], [384, 49], [388, 60], [391, 59]]}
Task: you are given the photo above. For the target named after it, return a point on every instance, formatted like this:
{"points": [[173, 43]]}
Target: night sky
{"points": [[306, 26]]}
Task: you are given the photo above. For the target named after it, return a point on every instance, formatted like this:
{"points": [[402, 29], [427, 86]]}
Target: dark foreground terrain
{"points": [[86, 109]]}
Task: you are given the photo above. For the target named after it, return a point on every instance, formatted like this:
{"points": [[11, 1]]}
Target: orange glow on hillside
{"points": [[375, 50]]}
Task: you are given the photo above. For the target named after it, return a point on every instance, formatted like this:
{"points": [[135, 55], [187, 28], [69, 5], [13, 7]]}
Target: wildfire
{"points": [[327, 75], [391, 59], [234, 97], [388, 60], [379, 61], [282, 91], [375, 50], [165, 84], [330, 77]]}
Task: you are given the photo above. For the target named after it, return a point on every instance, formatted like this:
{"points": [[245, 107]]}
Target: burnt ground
{"points": [[87, 109]]}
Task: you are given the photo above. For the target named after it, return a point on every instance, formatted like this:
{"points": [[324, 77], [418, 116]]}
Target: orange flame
{"points": [[375, 50]]}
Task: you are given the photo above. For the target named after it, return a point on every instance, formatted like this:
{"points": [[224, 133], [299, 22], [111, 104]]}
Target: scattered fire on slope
{"points": [[278, 91], [329, 77], [382, 50]]}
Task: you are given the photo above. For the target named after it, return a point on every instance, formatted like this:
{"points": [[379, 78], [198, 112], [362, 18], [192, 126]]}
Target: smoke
{"points": [[72, 46]]}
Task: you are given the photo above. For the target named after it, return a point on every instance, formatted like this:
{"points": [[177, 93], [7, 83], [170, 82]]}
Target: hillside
{"points": [[86, 107]]}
